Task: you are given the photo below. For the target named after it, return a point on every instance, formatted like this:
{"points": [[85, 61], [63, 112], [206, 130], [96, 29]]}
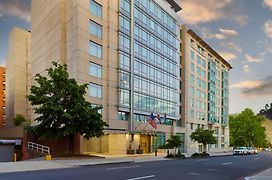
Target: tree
{"points": [[19, 119], [246, 130], [174, 142], [63, 111], [203, 136]]}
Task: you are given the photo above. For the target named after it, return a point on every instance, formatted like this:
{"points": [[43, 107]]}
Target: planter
{"points": [[140, 151], [130, 151]]}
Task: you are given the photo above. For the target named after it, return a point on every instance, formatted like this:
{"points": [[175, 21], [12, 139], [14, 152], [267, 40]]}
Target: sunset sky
{"points": [[239, 30]]}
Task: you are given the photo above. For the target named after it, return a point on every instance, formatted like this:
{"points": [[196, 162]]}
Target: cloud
{"points": [[195, 12], [228, 32], [246, 68], [201, 11], [253, 59], [16, 8], [233, 46], [242, 20], [228, 56], [246, 84], [267, 28], [263, 88], [267, 3]]}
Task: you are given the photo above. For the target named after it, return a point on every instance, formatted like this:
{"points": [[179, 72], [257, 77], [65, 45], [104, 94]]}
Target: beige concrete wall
{"points": [[17, 75]]}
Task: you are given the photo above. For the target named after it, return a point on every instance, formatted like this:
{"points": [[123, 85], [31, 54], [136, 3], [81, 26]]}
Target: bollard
{"points": [[14, 157], [48, 157]]}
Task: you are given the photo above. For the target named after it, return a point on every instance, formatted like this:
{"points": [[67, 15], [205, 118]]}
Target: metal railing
{"points": [[38, 147]]}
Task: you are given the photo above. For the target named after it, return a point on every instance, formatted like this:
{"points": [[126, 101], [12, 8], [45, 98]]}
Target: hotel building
{"points": [[205, 91], [128, 51]]}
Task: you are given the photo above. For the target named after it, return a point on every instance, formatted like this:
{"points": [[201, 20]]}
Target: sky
{"points": [[239, 30]]}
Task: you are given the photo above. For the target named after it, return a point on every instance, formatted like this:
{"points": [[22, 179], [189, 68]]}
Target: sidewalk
{"points": [[41, 164], [264, 175]]}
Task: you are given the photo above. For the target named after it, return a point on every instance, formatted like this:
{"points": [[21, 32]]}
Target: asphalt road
{"points": [[223, 167]]}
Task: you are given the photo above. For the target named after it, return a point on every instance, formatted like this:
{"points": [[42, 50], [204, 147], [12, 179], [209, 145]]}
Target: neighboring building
{"points": [[2, 95], [204, 91], [268, 129], [18, 75], [128, 52]]}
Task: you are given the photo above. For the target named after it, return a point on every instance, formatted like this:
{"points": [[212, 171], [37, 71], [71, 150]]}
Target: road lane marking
{"points": [[226, 163], [124, 167], [212, 169], [194, 174], [256, 158], [142, 177]]}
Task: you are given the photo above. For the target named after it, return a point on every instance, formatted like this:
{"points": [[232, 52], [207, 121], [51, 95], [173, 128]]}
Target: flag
{"points": [[158, 118], [163, 120], [151, 120]]}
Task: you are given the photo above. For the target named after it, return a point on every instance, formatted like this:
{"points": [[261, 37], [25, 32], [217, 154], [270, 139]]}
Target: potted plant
{"points": [[130, 151], [140, 150]]}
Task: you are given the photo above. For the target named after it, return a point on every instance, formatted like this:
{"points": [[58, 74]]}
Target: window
{"points": [[99, 110], [192, 126], [95, 29], [123, 116], [125, 24], [95, 8], [95, 90], [192, 55], [192, 67], [124, 43], [95, 50], [124, 61], [95, 70]]}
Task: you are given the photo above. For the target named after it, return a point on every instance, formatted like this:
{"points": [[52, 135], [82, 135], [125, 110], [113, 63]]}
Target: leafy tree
{"points": [[19, 119], [203, 136], [174, 142], [63, 111], [246, 130]]}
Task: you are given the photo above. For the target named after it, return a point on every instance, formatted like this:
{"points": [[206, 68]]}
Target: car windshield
{"points": [[240, 148]]}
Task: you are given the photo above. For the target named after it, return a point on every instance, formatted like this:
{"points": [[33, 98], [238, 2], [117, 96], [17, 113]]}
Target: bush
{"points": [[195, 154], [204, 154], [178, 155], [170, 155]]}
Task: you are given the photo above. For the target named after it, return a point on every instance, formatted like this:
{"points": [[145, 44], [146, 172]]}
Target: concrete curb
{"points": [[106, 163]]}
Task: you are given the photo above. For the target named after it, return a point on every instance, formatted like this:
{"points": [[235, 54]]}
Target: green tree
{"points": [[203, 136], [19, 119], [63, 111], [174, 142], [246, 129]]}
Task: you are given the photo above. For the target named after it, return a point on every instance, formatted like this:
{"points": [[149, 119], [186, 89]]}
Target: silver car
{"points": [[240, 151]]}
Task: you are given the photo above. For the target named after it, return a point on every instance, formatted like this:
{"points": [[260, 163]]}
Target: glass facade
{"points": [[218, 93], [156, 60]]}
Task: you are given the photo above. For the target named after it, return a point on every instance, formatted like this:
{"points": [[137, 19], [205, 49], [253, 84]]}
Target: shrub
{"points": [[195, 154], [170, 155], [204, 154], [179, 155]]}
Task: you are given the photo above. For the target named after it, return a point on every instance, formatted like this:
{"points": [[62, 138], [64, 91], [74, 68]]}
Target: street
{"points": [[223, 167]]}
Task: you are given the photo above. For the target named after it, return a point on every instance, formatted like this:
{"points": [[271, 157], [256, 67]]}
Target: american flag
{"points": [[158, 118], [151, 120]]}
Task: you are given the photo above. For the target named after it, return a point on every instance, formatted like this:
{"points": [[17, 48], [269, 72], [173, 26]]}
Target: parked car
{"points": [[250, 150], [240, 151], [255, 150]]}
